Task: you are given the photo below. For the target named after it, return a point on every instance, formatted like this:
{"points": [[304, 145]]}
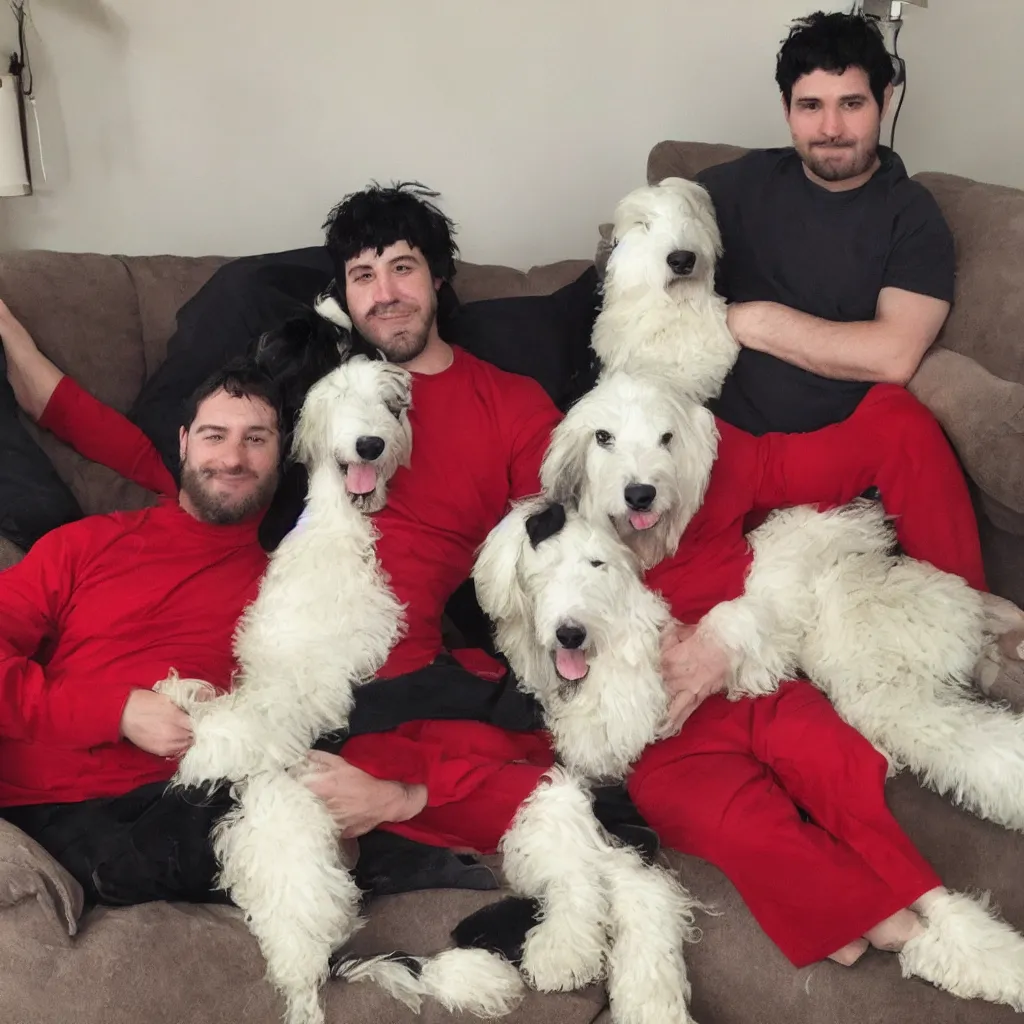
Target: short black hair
{"points": [[834, 42], [381, 216], [241, 378]]}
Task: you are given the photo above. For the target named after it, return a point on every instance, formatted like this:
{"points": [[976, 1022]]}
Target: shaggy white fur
{"points": [[660, 312], [323, 622], [635, 451], [893, 642], [582, 634], [967, 950]]}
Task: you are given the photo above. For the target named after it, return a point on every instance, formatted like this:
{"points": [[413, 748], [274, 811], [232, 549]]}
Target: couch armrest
{"points": [[984, 418], [29, 874]]}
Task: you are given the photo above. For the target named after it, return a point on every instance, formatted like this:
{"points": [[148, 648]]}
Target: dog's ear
{"points": [[330, 306], [563, 471], [545, 522], [496, 572], [312, 424]]}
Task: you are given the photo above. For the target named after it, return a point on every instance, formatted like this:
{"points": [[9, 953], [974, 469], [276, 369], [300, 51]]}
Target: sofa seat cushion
{"points": [[165, 963]]}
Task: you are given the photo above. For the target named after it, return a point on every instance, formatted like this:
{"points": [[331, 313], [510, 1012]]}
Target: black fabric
{"points": [[828, 254], [443, 691], [499, 927], [33, 498], [546, 337], [221, 321]]}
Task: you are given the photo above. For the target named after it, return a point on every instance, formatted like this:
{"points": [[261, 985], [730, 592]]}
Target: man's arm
{"points": [[78, 715], [887, 349], [59, 405]]}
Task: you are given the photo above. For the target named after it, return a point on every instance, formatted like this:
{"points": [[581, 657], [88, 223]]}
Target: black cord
{"points": [[20, 63], [903, 88]]}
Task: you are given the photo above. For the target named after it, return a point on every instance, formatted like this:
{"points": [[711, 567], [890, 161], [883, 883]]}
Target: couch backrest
{"points": [[987, 221], [106, 320]]}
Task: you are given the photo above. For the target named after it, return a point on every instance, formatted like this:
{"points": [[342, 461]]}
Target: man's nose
{"points": [[831, 123]]}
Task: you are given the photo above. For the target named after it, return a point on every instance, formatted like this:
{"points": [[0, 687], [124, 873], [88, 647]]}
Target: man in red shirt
{"points": [[171, 582]]}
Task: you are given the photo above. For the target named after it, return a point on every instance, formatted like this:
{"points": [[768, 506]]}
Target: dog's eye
{"points": [[603, 438], [395, 410], [596, 563], [666, 439]]}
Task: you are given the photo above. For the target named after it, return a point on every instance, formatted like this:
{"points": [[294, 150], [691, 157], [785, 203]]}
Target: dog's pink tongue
{"points": [[360, 478], [643, 520], [571, 664]]}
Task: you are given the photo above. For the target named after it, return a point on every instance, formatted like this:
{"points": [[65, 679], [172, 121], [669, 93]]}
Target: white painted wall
{"points": [[232, 126]]}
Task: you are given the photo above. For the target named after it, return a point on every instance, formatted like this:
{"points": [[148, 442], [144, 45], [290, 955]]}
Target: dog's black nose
{"points": [[640, 497], [682, 261], [369, 447], [570, 636]]}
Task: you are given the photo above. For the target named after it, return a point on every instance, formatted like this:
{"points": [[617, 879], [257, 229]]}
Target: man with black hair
{"points": [[839, 271], [99, 610]]}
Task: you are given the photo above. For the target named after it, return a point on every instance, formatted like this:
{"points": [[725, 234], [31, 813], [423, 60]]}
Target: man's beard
{"points": [[221, 509], [829, 168], [404, 345]]}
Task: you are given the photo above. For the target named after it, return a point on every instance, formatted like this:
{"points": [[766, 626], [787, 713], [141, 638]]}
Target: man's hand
{"points": [[155, 724], [356, 801], [692, 667], [32, 376]]}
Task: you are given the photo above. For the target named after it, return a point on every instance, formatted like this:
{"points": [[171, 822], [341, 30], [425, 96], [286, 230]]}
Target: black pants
{"points": [[154, 843]]}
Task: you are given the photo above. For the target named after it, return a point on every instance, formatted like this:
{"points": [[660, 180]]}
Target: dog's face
{"points": [[666, 239], [356, 420], [554, 584], [630, 452]]}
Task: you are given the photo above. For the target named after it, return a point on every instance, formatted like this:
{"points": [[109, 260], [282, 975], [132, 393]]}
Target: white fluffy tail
{"points": [[461, 980], [652, 917], [967, 950], [281, 863]]}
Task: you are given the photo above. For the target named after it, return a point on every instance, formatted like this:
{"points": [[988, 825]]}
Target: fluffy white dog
{"points": [[323, 622], [582, 634], [892, 641], [660, 310]]}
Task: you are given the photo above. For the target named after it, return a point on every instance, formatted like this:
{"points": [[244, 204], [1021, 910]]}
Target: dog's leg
{"points": [[553, 850], [186, 693], [999, 671], [281, 864], [967, 950], [652, 916]]}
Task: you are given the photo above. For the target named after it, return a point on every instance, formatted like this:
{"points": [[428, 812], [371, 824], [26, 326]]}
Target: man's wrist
{"points": [[407, 801]]}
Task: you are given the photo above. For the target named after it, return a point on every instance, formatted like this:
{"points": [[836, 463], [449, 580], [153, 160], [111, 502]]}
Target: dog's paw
{"points": [[185, 692], [560, 959]]}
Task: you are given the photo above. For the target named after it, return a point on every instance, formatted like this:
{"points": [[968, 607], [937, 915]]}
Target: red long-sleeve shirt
{"points": [[111, 603]]}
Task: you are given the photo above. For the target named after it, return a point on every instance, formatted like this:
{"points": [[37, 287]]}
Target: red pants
{"points": [[476, 775], [894, 443], [728, 788]]}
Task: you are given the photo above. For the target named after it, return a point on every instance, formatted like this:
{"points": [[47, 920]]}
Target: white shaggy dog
{"points": [[892, 641], [323, 622], [637, 452], [582, 634], [660, 310]]}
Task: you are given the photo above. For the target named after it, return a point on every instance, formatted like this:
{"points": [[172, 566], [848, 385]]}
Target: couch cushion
{"points": [[987, 320], [200, 965], [10, 554], [476, 281], [687, 159], [163, 285]]}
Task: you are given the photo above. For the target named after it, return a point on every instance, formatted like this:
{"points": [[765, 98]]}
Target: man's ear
{"points": [[886, 100], [182, 442]]}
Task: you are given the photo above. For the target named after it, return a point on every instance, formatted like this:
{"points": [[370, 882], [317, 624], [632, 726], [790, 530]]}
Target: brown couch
{"points": [[106, 320]]}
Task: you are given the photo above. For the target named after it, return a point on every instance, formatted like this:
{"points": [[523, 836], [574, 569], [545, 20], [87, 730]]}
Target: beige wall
{"points": [[232, 126]]}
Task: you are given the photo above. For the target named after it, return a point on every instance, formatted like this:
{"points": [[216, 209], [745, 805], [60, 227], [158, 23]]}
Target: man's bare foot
{"points": [[895, 932], [850, 953]]}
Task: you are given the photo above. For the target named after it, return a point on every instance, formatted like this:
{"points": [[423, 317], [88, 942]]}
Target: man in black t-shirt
{"points": [[839, 274], [839, 269]]}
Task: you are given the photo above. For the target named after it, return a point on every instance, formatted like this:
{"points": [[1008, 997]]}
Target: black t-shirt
{"points": [[828, 254]]}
